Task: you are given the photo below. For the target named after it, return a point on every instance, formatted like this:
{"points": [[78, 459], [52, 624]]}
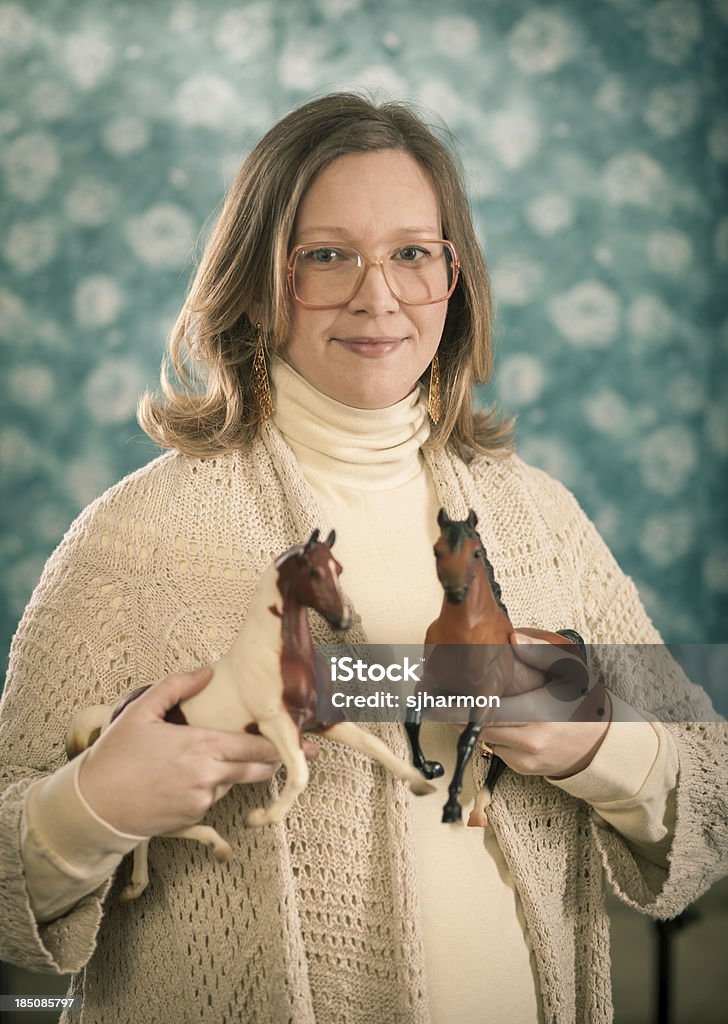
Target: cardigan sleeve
{"points": [[630, 782], [67, 849], [630, 658], [69, 636], [36, 706]]}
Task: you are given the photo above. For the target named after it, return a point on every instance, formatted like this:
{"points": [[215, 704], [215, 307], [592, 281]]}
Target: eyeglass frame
{"points": [[366, 264]]}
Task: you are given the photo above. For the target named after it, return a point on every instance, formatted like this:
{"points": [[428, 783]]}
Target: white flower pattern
{"points": [[593, 139]]}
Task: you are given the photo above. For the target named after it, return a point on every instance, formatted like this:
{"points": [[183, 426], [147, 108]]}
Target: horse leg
{"points": [[351, 736], [221, 849], [452, 810], [430, 769], [285, 737], [139, 873], [478, 818]]}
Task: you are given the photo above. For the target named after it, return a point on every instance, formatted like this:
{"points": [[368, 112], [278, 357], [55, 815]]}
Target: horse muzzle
{"points": [[342, 620]]}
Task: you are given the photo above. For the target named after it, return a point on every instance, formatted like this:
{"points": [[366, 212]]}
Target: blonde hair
{"points": [[208, 405]]}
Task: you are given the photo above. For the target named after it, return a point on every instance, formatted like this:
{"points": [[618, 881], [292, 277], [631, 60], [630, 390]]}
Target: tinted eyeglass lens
{"points": [[420, 272], [326, 275]]}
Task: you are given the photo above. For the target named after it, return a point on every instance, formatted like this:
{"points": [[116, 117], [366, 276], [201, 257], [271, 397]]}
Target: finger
{"points": [[493, 741], [236, 746], [234, 773], [542, 705], [169, 691]]}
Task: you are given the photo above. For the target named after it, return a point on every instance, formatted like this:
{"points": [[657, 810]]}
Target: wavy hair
{"points": [[207, 404]]}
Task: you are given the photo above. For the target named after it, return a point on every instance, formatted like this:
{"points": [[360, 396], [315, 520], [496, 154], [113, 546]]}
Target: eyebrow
{"points": [[322, 230]]}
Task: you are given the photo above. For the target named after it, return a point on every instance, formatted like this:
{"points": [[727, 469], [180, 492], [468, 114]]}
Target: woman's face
{"points": [[369, 352]]}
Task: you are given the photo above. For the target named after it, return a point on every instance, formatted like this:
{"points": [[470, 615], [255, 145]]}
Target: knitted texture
{"points": [[317, 918]]}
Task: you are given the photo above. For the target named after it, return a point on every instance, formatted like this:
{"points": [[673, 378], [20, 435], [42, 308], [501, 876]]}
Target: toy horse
{"points": [[468, 652], [265, 684]]}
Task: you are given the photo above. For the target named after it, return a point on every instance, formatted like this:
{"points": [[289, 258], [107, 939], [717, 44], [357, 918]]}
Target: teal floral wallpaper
{"points": [[595, 141]]}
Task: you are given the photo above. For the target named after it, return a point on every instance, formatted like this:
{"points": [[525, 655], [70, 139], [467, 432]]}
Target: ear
{"points": [[329, 542], [314, 538], [472, 519], [443, 518]]}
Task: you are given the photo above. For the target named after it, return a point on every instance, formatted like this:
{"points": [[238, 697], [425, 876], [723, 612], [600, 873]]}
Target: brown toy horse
{"points": [[469, 652], [266, 684]]}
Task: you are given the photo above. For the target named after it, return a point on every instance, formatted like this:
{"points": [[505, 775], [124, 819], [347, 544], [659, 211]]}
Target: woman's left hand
{"points": [[554, 730]]}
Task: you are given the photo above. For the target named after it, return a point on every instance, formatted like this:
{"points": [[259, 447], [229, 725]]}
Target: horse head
{"points": [[459, 555], [310, 574]]}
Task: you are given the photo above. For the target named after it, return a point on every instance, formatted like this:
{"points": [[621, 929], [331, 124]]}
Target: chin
{"points": [[377, 397]]}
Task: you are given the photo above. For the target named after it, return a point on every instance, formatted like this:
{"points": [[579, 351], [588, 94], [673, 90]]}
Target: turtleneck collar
{"points": [[365, 449]]}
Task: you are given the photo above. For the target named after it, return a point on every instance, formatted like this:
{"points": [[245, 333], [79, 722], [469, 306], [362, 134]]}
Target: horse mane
{"points": [[494, 584], [297, 549]]}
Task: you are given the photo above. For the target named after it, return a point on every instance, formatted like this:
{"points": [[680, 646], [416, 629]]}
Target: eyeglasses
{"points": [[322, 275]]}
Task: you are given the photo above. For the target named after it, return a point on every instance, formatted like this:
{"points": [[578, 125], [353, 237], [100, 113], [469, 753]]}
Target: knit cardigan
{"points": [[316, 919]]}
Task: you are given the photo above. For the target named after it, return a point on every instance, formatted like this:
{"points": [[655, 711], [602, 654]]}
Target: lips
{"points": [[378, 340], [371, 347]]}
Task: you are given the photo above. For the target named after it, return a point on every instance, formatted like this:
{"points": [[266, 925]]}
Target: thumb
{"points": [[542, 651], [534, 650], [567, 675], [169, 691]]}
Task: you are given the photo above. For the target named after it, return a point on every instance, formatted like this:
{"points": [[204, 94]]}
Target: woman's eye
{"points": [[411, 253], [322, 255]]}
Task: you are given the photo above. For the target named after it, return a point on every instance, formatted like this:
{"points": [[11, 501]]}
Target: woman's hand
{"points": [[145, 776], [554, 730]]}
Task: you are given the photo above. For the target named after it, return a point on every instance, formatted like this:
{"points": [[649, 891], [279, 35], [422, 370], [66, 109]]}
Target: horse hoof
{"points": [[432, 770], [222, 852], [420, 787], [452, 813], [131, 892], [476, 819]]}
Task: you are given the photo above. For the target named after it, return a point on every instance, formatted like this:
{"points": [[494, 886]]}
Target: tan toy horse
{"points": [[266, 684]]}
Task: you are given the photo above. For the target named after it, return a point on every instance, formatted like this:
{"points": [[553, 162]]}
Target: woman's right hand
{"points": [[145, 776]]}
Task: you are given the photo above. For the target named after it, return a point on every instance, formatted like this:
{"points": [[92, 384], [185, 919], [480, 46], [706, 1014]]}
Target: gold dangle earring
{"points": [[260, 381], [434, 396]]}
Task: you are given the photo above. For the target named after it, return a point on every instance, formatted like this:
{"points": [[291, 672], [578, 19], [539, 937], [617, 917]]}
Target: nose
{"points": [[374, 296]]}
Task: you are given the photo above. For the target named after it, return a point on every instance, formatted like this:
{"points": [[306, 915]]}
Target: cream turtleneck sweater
{"points": [[367, 472], [366, 469]]}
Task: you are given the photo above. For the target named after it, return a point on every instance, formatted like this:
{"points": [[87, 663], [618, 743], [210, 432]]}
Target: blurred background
{"points": [[595, 143]]}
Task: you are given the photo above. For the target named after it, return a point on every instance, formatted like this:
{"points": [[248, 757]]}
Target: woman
{"points": [[344, 267]]}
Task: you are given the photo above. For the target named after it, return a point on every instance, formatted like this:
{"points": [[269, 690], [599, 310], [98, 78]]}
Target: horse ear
{"points": [[314, 538], [442, 518], [472, 519], [329, 542]]}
